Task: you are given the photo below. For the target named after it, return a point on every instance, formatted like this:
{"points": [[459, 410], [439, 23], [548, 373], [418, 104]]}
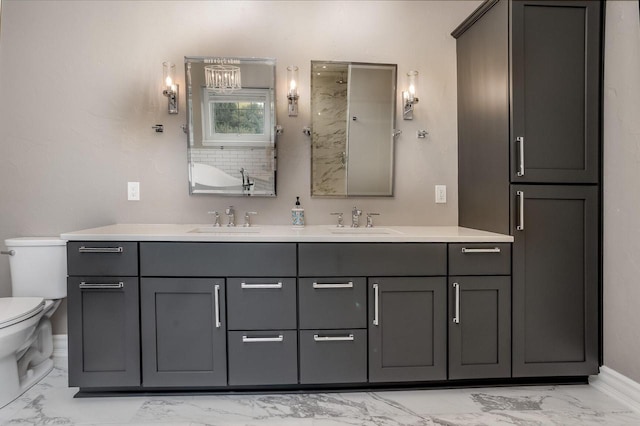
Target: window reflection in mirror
{"points": [[353, 121], [231, 132]]}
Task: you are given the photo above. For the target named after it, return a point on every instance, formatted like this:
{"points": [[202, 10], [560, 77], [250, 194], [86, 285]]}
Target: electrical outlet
{"points": [[441, 194], [133, 191]]}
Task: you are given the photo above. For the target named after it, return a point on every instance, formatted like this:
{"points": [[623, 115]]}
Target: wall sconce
{"points": [[409, 97], [292, 94], [171, 89]]}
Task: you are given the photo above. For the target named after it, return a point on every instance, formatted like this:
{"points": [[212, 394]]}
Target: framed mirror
{"points": [[231, 125], [353, 108]]}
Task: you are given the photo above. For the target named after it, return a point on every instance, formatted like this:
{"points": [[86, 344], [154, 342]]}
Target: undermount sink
{"points": [[363, 231], [226, 230]]}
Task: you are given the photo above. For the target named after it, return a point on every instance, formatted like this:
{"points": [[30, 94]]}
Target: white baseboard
{"points": [[618, 386], [60, 357]]}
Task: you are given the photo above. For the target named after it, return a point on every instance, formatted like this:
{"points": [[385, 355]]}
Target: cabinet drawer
{"points": [[261, 303], [102, 258], [480, 259], [332, 303], [263, 357], [333, 356], [104, 331], [217, 259], [366, 259]]}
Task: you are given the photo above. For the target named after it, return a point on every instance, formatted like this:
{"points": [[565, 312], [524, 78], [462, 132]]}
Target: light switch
{"points": [[441, 194], [133, 191]]}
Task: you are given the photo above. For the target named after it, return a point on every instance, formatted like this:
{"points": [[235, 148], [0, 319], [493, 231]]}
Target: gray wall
{"points": [[81, 87], [621, 189]]}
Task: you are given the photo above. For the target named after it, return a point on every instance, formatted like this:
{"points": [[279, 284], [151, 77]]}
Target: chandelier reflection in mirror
{"points": [[223, 78]]}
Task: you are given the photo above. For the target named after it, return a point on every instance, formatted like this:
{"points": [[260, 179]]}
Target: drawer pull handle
{"points": [[333, 285], [347, 338], [520, 224], [376, 296], [217, 303], [247, 339], [520, 142], [84, 249], [250, 286], [456, 318], [481, 250], [100, 286]]}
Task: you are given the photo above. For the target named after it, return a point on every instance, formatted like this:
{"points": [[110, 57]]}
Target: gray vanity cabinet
{"points": [[103, 314], [262, 337], [479, 327], [479, 311], [183, 329], [555, 280], [529, 127], [407, 329], [333, 335]]}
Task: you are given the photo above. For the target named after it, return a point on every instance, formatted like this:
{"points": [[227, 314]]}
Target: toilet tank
{"points": [[38, 267]]}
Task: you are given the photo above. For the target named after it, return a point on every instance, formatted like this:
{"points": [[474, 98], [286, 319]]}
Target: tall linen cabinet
{"points": [[529, 141]]}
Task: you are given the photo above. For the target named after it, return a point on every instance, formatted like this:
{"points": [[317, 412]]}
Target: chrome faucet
{"points": [[247, 219], [370, 219], [216, 217], [231, 215], [340, 219], [355, 217]]}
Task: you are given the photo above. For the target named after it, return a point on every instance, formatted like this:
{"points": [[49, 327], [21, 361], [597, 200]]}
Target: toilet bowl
{"points": [[38, 281]]}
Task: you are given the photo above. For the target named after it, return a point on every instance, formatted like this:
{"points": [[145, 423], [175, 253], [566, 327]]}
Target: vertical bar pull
{"points": [[217, 304], [376, 296], [456, 318], [520, 142], [520, 224]]}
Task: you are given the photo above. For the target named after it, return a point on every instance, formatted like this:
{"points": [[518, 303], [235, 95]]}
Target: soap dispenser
{"points": [[297, 214]]}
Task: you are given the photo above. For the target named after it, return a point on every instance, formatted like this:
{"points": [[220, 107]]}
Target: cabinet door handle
{"points": [[481, 250], [216, 294], [247, 339], [520, 225], [250, 286], [347, 338], [520, 142], [100, 286], [456, 318], [84, 249], [376, 297], [333, 285]]}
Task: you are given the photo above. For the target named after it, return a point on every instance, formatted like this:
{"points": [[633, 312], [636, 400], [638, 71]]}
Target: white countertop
{"points": [[284, 233]]}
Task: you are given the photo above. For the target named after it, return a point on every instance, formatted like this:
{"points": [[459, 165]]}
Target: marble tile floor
{"points": [[51, 402]]}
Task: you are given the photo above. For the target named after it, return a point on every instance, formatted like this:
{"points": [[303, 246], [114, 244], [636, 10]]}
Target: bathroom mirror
{"points": [[231, 125], [353, 128]]}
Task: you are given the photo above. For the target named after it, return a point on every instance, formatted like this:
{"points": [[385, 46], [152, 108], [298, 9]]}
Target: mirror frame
{"points": [[234, 186], [334, 161]]}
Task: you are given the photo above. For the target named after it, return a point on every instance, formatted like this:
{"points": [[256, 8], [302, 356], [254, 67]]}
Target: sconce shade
{"points": [[170, 87], [223, 78], [292, 93], [409, 96]]}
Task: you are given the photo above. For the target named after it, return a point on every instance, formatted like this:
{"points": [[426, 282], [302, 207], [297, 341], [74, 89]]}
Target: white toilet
{"points": [[39, 282]]}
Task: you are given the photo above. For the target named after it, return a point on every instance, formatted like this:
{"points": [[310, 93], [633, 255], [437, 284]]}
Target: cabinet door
{"points": [[407, 329], [555, 280], [104, 332], [479, 327], [556, 63], [183, 332]]}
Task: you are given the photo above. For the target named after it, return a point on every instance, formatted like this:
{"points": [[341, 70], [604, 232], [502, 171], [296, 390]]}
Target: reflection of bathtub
{"points": [[214, 178]]}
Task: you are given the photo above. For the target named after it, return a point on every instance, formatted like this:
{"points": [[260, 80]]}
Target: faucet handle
{"points": [[370, 219], [247, 218], [340, 219], [216, 216]]}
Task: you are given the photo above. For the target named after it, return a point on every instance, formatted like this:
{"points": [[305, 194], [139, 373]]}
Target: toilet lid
{"points": [[16, 309]]}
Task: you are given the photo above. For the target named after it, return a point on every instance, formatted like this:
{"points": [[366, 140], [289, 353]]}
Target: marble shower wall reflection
{"points": [[329, 110]]}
